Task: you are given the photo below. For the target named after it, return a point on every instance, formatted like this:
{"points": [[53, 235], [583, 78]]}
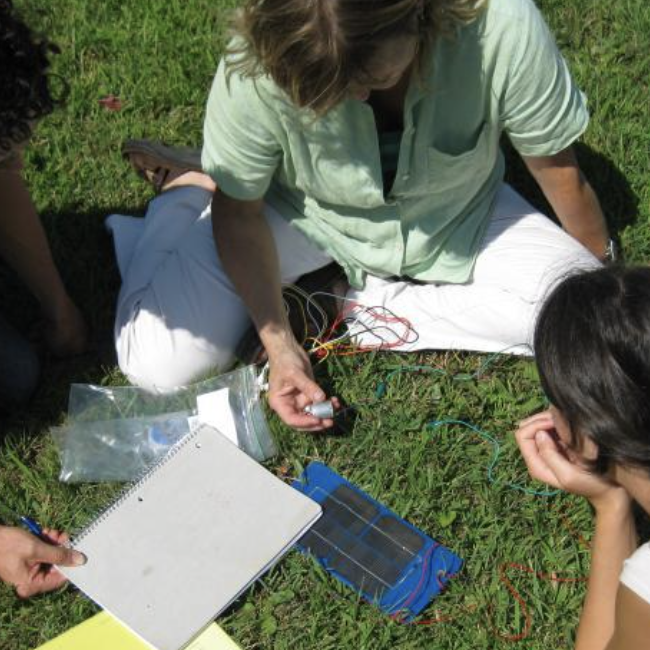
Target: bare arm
{"points": [[632, 621], [247, 251], [614, 541], [24, 247], [615, 537], [572, 198], [248, 254]]}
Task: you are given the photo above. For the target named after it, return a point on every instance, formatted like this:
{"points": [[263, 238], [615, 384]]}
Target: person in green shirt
{"points": [[365, 132]]}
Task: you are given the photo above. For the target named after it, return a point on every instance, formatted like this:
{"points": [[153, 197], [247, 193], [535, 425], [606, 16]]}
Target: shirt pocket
{"points": [[335, 179], [446, 171]]}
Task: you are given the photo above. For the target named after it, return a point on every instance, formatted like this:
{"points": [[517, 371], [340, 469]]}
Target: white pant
{"points": [[179, 317]]}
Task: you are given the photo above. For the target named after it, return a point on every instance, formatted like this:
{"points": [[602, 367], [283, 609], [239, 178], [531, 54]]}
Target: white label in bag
{"points": [[214, 410]]}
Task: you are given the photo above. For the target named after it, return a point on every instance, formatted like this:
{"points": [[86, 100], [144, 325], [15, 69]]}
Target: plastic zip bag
{"points": [[113, 433]]}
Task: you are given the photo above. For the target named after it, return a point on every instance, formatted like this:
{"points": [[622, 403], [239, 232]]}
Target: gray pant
{"points": [[19, 367]]}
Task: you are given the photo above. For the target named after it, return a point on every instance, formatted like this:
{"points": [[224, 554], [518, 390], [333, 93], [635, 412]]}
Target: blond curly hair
{"points": [[314, 49]]}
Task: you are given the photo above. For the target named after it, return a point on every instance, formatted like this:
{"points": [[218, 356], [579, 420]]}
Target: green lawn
{"points": [[159, 57]]}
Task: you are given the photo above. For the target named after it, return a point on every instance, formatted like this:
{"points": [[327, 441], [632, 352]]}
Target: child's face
{"points": [[635, 481]]}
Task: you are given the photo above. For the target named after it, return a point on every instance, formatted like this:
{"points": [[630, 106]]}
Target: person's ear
{"points": [[589, 449]]}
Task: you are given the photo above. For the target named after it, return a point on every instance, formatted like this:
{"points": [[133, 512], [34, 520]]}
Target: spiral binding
{"points": [[137, 484]]}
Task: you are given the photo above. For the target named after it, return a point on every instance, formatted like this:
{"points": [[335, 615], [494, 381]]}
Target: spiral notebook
{"points": [[103, 632], [186, 540]]}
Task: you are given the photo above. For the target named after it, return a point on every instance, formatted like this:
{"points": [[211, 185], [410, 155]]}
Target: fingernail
{"points": [[542, 435], [319, 396], [78, 559]]}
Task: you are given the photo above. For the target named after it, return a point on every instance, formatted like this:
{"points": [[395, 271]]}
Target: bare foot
{"points": [[166, 167], [167, 178], [182, 179]]}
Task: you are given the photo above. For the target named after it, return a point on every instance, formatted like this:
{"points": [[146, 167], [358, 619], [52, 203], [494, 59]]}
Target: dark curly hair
{"points": [[24, 85], [592, 347]]}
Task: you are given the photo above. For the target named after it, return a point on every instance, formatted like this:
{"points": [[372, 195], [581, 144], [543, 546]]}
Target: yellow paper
{"points": [[103, 632]]}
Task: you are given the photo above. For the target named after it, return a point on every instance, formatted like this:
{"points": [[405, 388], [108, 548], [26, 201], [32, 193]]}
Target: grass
{"points": [[159, 58]]}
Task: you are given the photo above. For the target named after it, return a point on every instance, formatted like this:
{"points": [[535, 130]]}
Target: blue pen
{"points": [[31, 526], [34, 528], [27, 522]]}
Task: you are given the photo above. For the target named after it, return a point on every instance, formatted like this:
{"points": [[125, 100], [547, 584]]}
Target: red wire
{"points": [[344, 349], [350, 350], [528, 621], [416, 592], [515, 594], [571, 528]]}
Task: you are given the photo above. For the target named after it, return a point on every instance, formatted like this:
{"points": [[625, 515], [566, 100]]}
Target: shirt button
{"points": [[405, 177]]}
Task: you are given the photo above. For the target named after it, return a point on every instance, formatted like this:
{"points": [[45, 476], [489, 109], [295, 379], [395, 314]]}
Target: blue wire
{"points": [[495, 458], [382, 388]]}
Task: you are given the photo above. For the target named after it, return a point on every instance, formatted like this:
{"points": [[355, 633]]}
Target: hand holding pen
{"points": [[27, 559]]}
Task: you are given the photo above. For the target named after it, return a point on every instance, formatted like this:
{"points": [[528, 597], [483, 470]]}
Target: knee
{"points": [[519, 330], [162, 369], [568, 263], [20, 372], [163, 347]]}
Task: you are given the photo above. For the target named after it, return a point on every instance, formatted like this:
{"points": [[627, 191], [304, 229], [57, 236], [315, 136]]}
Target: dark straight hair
{"points": [[592, 347]]}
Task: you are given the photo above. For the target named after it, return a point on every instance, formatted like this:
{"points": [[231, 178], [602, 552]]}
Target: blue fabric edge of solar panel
{"points": [[420, 581]]}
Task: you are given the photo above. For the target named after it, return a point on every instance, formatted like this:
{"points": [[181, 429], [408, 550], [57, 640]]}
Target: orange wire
{"points": [[346, 349], [528, 620], [505, 580]]}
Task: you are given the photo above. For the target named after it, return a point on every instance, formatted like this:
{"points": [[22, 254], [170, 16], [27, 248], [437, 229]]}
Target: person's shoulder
{"points": [[640, 559], [632, 620], [506, 12], [499, 20], [235, 89], [247, 95], [636, 572], [508, 20], [505, 24], [239, 69]]}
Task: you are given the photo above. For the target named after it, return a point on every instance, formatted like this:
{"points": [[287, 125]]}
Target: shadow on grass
{"points": [[619, 203], [83, 252]]}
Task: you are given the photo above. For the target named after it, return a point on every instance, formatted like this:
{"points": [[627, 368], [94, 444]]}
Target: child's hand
{"points": [[549, 460], [27, 562]]}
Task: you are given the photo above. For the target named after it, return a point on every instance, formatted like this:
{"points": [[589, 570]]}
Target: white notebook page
{"points": [[188, 539]]}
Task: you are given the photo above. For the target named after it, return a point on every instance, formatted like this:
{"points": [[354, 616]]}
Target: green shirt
{"points": [[502, 73]]}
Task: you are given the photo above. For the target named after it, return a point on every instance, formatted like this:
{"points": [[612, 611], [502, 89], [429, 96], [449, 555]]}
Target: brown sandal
{"points": [[158, 163]]}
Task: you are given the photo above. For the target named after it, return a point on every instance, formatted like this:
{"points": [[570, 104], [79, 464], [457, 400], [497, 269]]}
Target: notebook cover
{"points": [[103, 632], [188, 538]]}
